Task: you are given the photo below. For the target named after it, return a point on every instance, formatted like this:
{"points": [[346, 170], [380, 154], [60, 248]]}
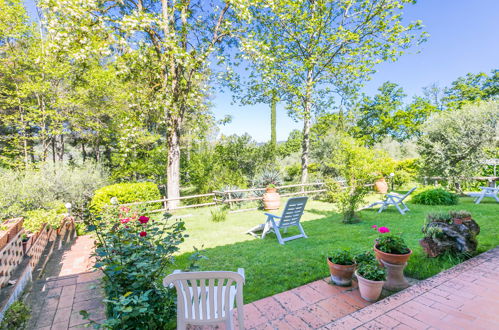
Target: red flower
{"points": [[143, 219], [126, 220], [143, 234]]}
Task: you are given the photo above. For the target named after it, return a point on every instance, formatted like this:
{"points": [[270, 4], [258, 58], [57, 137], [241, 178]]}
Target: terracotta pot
{"points": [[396, 259], [271, 199], [341, 274], [459, 221], [381, 186], [369, 290]]}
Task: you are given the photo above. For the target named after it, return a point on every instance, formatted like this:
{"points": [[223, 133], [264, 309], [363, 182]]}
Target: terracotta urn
{"points": [[369, 290], [341, 274], [271, 199], [396, 259], [395, 279], [381, 186]]}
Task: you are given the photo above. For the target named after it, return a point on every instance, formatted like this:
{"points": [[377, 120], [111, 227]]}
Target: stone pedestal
{"points": [[395, 279]]}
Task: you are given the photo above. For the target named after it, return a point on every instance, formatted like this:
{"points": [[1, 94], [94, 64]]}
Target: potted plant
{"points": [[381, 186], [371, 278], [271, 198], [460, 216], [391, 248], [341, 266]]}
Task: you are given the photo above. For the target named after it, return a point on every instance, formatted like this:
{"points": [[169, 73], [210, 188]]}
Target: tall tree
{"points": [[167, 43], [472, 88], [323, 48]]}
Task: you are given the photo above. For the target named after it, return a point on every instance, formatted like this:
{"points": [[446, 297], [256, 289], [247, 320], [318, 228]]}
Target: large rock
{"points": [[452, 237]]}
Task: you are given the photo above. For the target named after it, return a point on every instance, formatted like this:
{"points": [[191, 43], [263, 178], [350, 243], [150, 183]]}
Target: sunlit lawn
{"points": [[271, 268]]}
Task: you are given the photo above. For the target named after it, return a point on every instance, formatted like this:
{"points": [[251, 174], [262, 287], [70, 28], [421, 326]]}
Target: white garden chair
{"points": [[207, 298], [290, 217], [486, 192], [394, 199]]}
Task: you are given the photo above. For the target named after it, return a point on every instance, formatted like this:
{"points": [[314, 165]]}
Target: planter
{"points": [[271, 199], [459, 221], [27, 244], [14, 226], [341, 274], [381, 186], [4, 238], [395, 279], [369, 290], [396, 259]]}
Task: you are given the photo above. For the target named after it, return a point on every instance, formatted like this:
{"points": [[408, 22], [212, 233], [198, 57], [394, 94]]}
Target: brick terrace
{"points": [[71, 287]]}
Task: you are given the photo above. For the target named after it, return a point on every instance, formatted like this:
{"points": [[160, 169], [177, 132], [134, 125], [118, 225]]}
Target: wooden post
{"points": [[165, 204]]}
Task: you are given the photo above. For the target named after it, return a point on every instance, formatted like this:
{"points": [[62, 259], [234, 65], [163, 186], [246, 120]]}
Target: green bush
{"points": [[125, 193], [33, 220], [436, 196], [219, 214], [16, 317]]}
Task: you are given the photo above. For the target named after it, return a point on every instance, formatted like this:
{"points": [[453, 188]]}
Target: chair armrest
{"points": [[271, 215], [241, 272], [394, 196]]}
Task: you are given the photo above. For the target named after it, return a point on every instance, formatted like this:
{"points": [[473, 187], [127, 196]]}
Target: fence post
{"points": [[165, 204]]}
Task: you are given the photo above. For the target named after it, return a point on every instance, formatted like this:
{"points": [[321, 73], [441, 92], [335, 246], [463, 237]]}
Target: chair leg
{"points": [[381, 208], [398, 208], [266, 229], [302, 231], [240, 311], [279, 237], [405, 207], [228, 322], [181, 325], [479, 199]]}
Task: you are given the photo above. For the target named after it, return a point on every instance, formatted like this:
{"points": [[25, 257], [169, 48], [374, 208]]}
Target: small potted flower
{"points": [[458, 217], [390, 247], [371, 277], [271, 198], [341, 266]]}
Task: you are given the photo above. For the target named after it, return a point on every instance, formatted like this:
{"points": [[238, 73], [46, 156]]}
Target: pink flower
{"points": [[126, 220], [383, 230], [143, 219], [143, 234], [125, 209], [374, 226]]}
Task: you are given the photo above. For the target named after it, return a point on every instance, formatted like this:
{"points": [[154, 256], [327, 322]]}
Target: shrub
{"points": [[437, 196], [357, 165], [219, 214], [35, 219], [34, 189], [134, 252], [16, 317], [267, 178], [371, 271], [125, 193], [341, 257]]}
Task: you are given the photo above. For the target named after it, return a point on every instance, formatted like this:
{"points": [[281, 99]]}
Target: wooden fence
{"points": [[227, 196], [492, 180]]}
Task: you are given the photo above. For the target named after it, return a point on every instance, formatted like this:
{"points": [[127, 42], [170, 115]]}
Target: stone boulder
{"points": [[451, 237]]}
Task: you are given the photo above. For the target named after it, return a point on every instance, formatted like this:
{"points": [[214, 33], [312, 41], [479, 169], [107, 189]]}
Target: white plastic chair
{"points": [[207, 298], [394, 199]]}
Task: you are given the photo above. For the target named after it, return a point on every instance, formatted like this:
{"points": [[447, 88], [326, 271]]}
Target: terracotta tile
{"points": [[374, 325], [314, 316], [62, 315], [87, 295], [337, 306], [347, 322], [290, 301], [387, 321], [87, 286], [68, 290], [252, 316], [66, 301], [270, 308], [407, 320], [308, 294], [325, 289], [295, 322]]}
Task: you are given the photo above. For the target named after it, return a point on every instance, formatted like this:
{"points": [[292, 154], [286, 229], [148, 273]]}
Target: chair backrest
{"points": [[206, 296], [408, 193], [292, 211]]}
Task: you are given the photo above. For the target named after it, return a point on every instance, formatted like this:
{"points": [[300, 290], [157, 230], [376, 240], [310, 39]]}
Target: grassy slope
{"points": [[271, 268]]}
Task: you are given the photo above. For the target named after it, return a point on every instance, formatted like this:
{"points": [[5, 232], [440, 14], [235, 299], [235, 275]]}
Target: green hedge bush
{"points": [[435, 196], [125, 193]]}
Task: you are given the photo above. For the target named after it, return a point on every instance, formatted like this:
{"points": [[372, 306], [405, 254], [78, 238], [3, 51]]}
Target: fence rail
{"points": [[224, 197]]}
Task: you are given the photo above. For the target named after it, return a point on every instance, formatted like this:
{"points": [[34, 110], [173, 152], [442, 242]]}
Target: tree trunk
{"points": [[306, 129], [173, 169], [273, 125]]}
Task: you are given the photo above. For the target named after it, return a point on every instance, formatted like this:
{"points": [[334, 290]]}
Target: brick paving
{"points": [[70, 287], [463, 297]]}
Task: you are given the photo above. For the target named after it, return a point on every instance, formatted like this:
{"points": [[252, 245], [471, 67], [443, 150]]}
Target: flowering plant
{"points": [[133, 252], [390, 243]]}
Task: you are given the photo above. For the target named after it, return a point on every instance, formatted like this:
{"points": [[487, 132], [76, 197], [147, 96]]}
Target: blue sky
{"points": [[464, 37]]}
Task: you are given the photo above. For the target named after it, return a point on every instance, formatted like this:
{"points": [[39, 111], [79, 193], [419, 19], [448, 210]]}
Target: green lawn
{"points": [[271, 268]]}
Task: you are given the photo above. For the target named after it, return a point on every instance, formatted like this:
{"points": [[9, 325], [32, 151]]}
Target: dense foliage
{"points": [[341, 257], [124, 193], [134, 251], [435, 196], [371, 271], [16, 316]]}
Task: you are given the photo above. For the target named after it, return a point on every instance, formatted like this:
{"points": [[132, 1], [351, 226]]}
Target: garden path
{"points": [[68, 287]]}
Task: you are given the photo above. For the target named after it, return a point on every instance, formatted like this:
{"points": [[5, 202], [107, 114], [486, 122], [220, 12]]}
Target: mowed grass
{"points": [[272, 268]]}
